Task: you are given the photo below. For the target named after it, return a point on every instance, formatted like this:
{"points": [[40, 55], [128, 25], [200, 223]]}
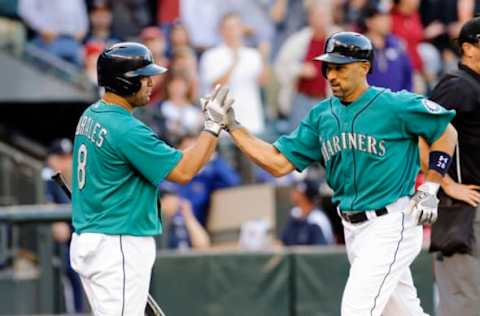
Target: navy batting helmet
{"points": [[346, 48], [120, 67]]}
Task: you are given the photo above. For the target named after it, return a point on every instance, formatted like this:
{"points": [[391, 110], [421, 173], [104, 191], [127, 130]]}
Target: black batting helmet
{"points": [[120, 67], [470, 32], [346, 48]]}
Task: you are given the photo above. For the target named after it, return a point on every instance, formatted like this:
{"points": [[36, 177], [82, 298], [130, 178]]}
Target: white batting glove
{"points": [[214, 108], [424, 203], [231, 122]]}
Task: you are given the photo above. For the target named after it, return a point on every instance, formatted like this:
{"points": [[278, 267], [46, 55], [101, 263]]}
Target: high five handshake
{"points": [[218, 111], [219, 114]]}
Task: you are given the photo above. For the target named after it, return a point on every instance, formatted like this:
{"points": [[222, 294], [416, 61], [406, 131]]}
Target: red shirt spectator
{"points": [[168, 11], [409, 28], [316, 86]]}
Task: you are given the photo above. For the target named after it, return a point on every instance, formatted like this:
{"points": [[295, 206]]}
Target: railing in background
{"points": [[57, 67], [20, 177], [38, 281]]}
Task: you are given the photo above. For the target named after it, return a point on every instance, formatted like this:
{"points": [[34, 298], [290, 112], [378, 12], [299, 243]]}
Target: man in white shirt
{"points": [[239, 67]]}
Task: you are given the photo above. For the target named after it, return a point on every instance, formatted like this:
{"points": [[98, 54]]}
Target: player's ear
{"points": [[365, 66]]}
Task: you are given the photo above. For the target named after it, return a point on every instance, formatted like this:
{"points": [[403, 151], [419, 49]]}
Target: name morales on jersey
{"points": [[94, 131], [352, 141]]}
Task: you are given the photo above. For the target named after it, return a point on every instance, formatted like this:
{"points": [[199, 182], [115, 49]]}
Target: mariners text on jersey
{"points": [[352, 141], [91, 129]]}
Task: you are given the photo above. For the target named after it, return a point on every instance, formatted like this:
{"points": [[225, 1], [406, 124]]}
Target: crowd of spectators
{"points": [[261, 49]]}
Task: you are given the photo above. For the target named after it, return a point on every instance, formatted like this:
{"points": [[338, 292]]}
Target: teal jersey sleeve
{"points": [[302, 146], [151, 156], [425, 118]]}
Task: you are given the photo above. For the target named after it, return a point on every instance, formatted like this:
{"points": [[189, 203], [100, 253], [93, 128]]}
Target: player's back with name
{"points": [[91, 129]]}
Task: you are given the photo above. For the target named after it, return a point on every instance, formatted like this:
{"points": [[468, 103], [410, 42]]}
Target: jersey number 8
{"points": [[81, 165]]}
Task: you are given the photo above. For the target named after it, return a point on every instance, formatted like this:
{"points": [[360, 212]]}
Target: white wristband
{"points": [[430, 187]]}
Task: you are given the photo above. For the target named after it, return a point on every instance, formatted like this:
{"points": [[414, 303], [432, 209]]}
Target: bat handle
{"points": [[57, 177]]}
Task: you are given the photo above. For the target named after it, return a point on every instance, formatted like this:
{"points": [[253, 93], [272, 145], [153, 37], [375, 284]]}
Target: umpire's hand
{"points": [[424, 204]]}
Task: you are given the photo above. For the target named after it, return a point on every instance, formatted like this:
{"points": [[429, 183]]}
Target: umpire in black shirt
{"points": [[458, 274]]}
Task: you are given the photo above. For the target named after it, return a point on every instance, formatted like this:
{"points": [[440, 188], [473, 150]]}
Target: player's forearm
{"points": [[446, 143], [446, 181], [424, 150], [261, 153], [195, 157]]}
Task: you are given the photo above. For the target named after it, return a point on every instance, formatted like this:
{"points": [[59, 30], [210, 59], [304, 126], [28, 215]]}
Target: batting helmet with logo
{"points": [[120, 67], [346, 48]]}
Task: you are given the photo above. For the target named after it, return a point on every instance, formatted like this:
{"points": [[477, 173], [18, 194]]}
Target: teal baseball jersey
{"points": [[118, 163], [369, 148]]}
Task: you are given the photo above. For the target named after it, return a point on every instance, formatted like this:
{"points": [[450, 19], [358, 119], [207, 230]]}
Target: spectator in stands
{"points": [[178, 109], [450, 15], [239, 67], [259, 26], [154, 39], [217, 174], [352, 12], [92, 50], [407, 25], [60, 159], [59, 26], [178, 38], [182, 229], [130, 18], [184, 63], [390, 55], [307, 224], [289, 17], [301, 82], [203, 35], [168, 11], [100, 14]]}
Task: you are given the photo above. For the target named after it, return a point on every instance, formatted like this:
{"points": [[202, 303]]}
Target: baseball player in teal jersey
{"points": [[118, 164], [367, 140]]}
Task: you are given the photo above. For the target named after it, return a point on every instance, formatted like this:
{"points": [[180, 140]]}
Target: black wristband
{"points": [[439, 161]]}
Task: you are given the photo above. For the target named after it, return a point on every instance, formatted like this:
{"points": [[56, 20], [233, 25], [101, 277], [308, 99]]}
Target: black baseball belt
{"points": [[360, 217]]}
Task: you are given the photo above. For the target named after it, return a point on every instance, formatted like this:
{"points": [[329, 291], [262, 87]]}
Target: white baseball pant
{"points": [[115, 271], [380, 251]]}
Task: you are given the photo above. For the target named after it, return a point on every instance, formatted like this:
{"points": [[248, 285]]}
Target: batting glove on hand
{"points": [[214, 109], [231, 122], [424, 203]]}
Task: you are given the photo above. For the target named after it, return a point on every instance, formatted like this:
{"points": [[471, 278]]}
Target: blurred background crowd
{"points": [[261, 49]]}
